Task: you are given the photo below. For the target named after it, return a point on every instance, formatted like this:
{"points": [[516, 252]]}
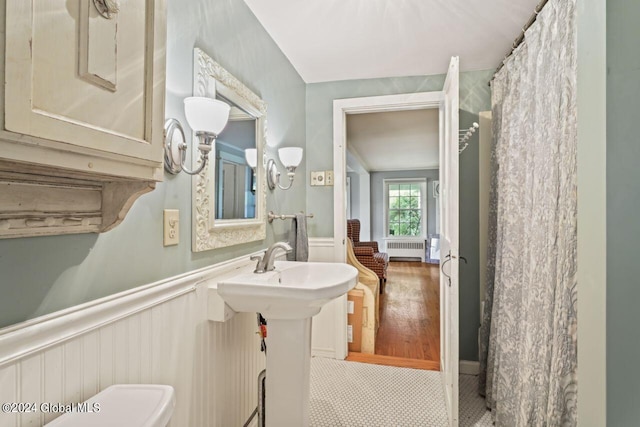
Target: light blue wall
{"points": [[42, 275], [623, 206], [378, 201], [475, 96], [355, 195], [319, 104], [469, 242]]}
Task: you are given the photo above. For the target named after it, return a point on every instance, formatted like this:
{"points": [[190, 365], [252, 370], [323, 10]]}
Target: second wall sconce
{"points": [[290, 158], [251, 156], [207, 117]]}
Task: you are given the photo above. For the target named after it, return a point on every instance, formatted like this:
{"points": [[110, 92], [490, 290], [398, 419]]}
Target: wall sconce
{"points": [[251, 156], [290, 158], [207, 117]]}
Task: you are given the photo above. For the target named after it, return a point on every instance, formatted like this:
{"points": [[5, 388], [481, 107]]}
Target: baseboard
{"points": [[469, 367], [327, 353]]}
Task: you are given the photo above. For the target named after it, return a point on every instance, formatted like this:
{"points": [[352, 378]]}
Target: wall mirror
{"points": [[228, 196]]}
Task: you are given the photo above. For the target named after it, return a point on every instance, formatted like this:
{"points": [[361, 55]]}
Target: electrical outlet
{"points": [[317, 178], [171, 227], [328, 177]]}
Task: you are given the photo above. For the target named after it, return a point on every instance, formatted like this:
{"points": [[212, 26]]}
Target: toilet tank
{"points": [[123, 405]]}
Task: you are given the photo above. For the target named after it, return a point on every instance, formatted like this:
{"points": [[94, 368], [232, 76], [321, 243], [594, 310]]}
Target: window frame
{"points": [[423, 206]]}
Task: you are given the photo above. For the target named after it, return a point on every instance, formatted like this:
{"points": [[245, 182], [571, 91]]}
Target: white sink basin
{"points": [[294, 290]]}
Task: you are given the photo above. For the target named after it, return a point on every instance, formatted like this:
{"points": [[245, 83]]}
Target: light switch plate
{"points": [[317, 178], [328, 177], [171, 227]]}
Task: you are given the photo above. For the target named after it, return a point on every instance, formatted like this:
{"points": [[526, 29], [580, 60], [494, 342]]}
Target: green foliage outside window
{"points": [[405, 212]]}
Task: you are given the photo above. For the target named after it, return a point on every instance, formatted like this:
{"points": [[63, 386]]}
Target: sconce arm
{"points": [[203, 163], [273, 176]]}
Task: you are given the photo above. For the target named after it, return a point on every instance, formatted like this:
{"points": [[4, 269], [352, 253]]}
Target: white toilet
{"points": [[124, 405]]}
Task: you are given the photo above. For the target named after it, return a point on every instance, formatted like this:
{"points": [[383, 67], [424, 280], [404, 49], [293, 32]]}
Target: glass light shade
{"points": [[206, 114], [251, 155], [290, 156]]}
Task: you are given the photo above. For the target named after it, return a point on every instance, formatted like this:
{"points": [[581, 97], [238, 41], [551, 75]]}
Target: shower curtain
{"points": [[528, 350]]}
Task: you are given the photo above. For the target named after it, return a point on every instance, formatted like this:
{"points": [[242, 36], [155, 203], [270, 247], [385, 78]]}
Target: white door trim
{"points": [[370, 104]]}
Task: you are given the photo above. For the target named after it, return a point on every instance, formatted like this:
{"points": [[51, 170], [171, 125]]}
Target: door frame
{"points": [[369, 104], [361, 105]]}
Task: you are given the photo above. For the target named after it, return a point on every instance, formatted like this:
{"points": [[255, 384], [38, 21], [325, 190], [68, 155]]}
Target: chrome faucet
{"points": [[265, 263]]}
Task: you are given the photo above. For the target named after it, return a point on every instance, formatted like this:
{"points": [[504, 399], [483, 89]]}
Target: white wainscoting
{"points": [[321, 249], [156, 333], [328, 337]]}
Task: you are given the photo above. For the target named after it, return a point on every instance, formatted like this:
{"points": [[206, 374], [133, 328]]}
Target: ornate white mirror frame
{"points": [[207, 232]]}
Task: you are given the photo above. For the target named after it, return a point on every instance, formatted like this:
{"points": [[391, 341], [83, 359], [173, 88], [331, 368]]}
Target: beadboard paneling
{"points": [[235, 365], [8, 393], [90, 363], [53, 376], [156, 334], [30, 388], [328, 336]]}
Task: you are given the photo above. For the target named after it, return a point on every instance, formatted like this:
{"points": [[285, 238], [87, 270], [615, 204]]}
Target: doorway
{"points": [[396, 154], [342, 109], [447, 101]]}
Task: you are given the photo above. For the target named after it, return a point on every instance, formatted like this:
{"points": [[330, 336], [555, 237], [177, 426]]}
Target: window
{"points": [[405, 203]]}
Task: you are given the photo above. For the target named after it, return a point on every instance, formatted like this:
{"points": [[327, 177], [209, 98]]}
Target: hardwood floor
{"points": [[409, 318]]}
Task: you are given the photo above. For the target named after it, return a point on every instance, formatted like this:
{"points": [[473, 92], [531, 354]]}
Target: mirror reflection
{"points": [[235, 179]]}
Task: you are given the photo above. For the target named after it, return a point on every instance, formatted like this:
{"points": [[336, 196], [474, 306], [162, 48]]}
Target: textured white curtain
{"points": [[528, 342]]}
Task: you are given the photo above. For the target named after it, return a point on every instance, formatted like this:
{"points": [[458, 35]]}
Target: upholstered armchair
{"points": [[367, 252], [353, 231]]}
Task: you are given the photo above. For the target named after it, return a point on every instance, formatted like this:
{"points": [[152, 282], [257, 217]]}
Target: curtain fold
{"points": [[528, 350]]}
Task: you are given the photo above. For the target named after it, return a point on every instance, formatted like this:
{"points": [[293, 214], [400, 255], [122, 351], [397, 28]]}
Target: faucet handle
{"points": [[255, 258]]}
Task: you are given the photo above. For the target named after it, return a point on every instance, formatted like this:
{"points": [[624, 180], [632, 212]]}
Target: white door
{"points": [[449, 250]]}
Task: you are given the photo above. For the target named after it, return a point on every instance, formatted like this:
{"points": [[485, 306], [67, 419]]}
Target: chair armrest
{"points": [[373, 245], [363, 251]]}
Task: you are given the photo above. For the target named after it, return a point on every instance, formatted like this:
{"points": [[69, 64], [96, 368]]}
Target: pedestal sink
{"points": [[288, 297]]}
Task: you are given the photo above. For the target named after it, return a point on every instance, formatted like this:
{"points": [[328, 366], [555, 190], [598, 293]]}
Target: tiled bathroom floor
{"points": [[351, 394]]}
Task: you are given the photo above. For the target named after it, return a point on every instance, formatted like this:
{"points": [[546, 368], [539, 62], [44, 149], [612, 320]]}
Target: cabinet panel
{"points": [[77, 77], [81, 113]]}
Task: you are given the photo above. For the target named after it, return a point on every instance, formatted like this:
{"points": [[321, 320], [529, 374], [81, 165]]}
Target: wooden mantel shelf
{"points": [[35, 202]]}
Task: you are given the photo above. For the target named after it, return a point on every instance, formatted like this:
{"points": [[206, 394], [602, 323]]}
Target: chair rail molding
{"points": [[23, 339], [154, 334]]}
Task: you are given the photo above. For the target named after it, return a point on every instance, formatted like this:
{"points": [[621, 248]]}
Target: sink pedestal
{"points": [[288, 297], [288, 370]]}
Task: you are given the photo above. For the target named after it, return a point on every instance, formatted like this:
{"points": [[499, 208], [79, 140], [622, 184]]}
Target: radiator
{"points": [[406, 248]]}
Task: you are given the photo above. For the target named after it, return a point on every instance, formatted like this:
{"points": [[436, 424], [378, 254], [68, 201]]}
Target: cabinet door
{"points": [[91, 82]]}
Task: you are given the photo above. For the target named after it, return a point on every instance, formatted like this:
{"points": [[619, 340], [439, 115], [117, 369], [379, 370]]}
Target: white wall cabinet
{"points": [[83, 110]]}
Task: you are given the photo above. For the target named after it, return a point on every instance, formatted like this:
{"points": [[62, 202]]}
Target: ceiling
{"points": [[328, 40], [411, 136]]}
